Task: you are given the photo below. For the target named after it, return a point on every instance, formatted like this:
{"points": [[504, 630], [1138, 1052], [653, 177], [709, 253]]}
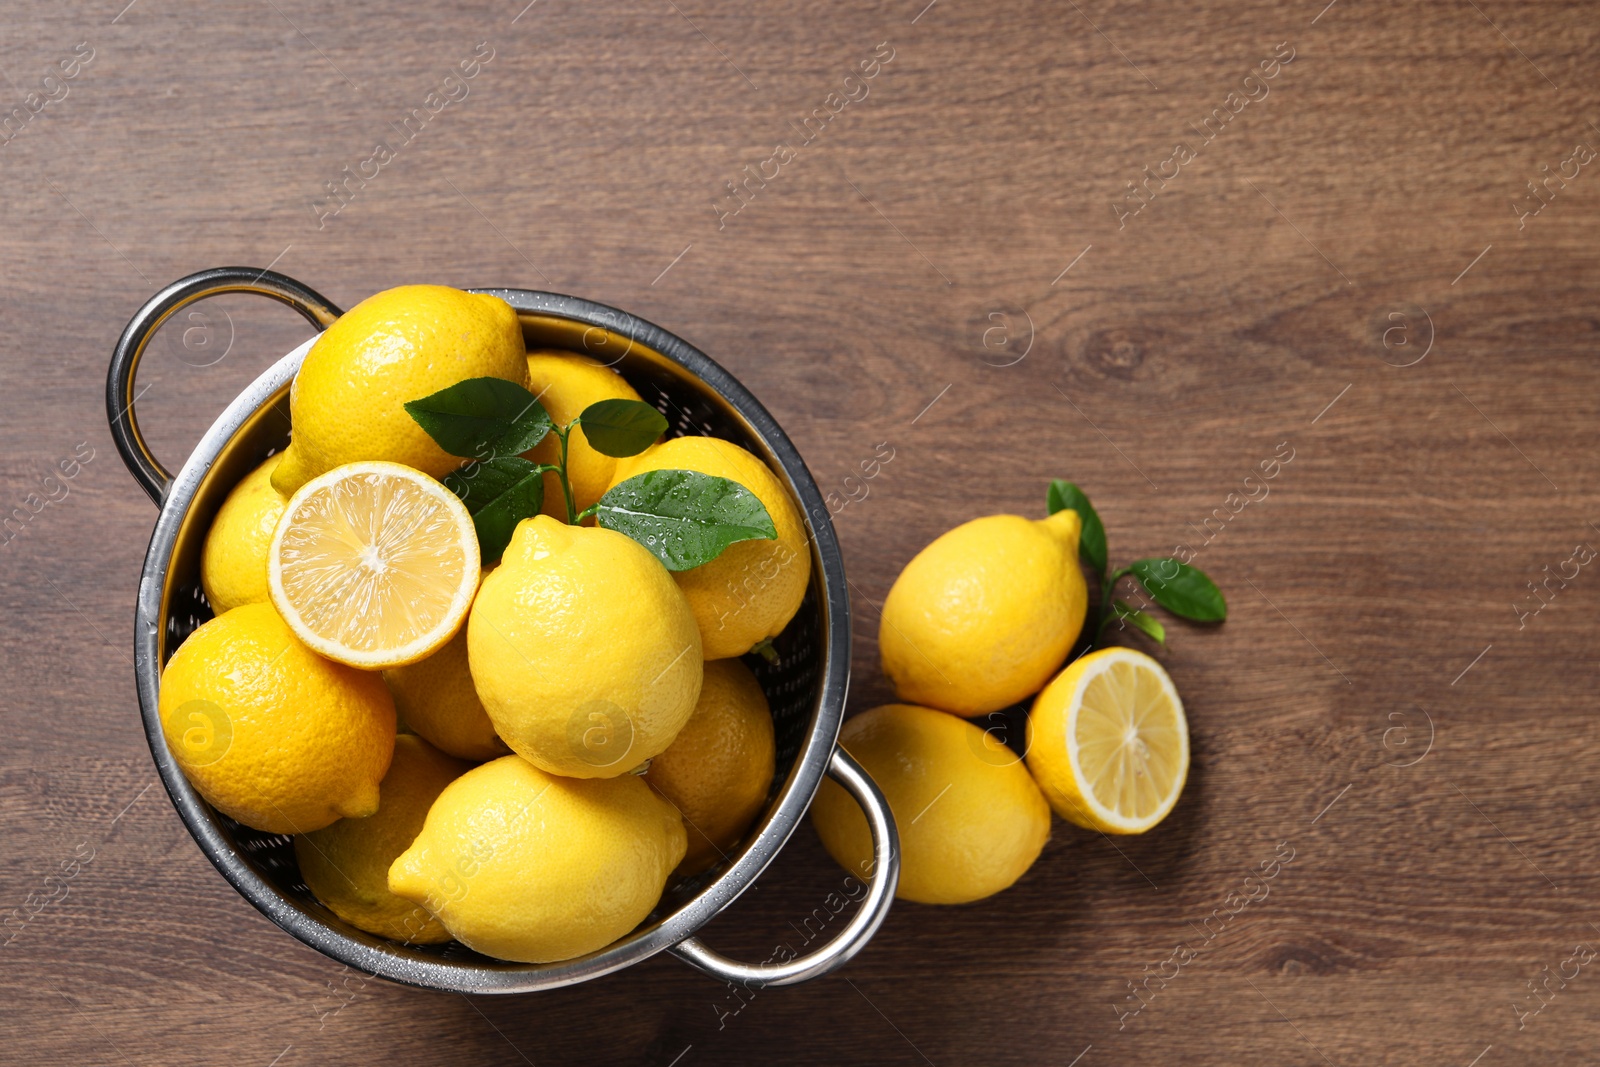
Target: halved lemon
{"points": [[1108, 743], [374, 565]]}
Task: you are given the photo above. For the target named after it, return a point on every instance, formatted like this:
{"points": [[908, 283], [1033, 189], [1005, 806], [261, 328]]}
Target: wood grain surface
{"points": [[1344, 264]]}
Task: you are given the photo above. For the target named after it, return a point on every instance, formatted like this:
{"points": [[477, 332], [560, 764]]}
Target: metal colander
{"points": [[805, 686]]}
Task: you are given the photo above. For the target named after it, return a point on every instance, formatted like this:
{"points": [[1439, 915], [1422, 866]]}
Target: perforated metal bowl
{"points": [[806, 687]]}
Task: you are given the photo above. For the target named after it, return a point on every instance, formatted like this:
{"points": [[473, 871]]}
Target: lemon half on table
{"points": [[374, 565], [1108, 742]]}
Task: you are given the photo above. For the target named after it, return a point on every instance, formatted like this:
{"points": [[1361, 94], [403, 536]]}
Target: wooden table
{"points": [[1342, 263]]}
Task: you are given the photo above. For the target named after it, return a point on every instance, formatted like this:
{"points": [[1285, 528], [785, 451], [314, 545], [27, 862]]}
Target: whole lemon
{"points": [[751, 591], [347, 864], [719, 769], [583, 650], [347, 402], [970, 818], [528, 866], [565, 384], [271, 733], [435, 697], [983, 616], [233, 564]]}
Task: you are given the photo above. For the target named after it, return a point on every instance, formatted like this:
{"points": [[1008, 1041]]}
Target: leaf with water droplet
{"points": [[684, 517]]}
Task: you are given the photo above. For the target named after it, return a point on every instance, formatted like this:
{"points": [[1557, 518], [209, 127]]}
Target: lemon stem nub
{"points": [[1066, 525]]}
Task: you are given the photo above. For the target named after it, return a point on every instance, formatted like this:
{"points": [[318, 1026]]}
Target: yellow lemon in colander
{"points": [[565, 384], [583, 650], [346, 865], [268, 731], [529, 866], [233, 564], [348, 399], [751, 591], [718, 770]]}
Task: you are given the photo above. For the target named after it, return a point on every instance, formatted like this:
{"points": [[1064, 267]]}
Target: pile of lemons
{"points": [[519, 755], [978, 621], [574, 723]]}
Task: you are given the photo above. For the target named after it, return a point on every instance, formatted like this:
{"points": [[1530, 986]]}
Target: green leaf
{"points": [[686, 518], [1092, 542], [1146, 624], [621, 427], [481, 418], [1181, 589], [499, 493]]}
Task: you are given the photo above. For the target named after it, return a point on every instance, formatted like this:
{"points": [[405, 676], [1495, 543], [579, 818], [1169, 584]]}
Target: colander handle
{"points": [[874, 906], [144, 466]]}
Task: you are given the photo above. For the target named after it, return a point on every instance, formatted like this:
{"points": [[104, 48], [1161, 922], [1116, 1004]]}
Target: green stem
{"points": [[1108, 610], [1105, 590], [566, 483], [1106, 620], [588, 512]]}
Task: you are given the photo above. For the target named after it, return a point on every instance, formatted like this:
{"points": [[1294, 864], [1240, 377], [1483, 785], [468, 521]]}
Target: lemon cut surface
{"points": [[374, 565], [1108, 742]]}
